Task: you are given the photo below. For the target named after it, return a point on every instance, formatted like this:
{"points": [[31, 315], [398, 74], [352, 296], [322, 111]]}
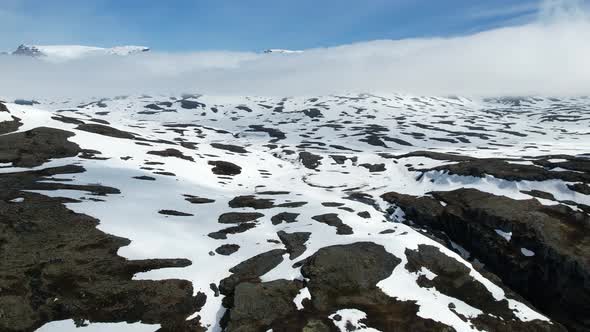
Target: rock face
{"points": [[554, 274], [453, 279]]}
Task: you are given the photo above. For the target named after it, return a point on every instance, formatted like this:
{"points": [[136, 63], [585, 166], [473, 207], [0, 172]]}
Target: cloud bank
{"points": [[550, 56]]}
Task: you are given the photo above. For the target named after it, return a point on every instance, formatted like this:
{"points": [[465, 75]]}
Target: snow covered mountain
{"points": [[75, 51], [281, 51], [328, 213]]}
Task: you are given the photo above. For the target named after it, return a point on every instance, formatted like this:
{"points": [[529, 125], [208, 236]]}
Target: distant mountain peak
{"points": [[28, 50], [281, 51], [75, 51]]}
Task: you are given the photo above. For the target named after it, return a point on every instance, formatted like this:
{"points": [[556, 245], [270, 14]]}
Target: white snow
{"points": [[351, 317], [303, 294], [526, 252], [134, 213], [506, 235], [68, 325]]}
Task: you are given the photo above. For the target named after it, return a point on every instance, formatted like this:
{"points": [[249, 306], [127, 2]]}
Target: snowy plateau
{"points": [[361, 212]]}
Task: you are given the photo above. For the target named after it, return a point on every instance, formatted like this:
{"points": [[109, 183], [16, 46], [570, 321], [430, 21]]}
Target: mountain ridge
{"points": [[75, 51]]}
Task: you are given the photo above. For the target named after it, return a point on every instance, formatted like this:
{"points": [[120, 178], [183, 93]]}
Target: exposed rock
{"points": [[252, 202], [291, 204], [175, 213], [294, 242], [105, 131], [57, 265], [227, 249], [556, 279], [67, 119], [9, 126], [272, 132], [340, 160], [310, 160], [197, 200], [229, 147], [257, 306], [582, 188], [145, 178], [190, 104], [346, 276], [313, 113], [332, 219], [251, 269], [539, 194], [509, 171], [374, 167], [225, 168], [332, 204], [287, 217], [36, 146], [171, 153], [364, 214], [239, 217], [222, 234]]}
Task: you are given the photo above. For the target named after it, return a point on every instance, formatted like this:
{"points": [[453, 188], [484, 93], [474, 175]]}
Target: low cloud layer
{"points": [[548, 57]]}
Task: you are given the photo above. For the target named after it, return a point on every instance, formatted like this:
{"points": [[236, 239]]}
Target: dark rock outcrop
{"points": [[227, 249], [105, 131], [229, 147], [250, 270], [57, 265], [310, 160], [36, 146], [251, 201], [332, 219], [294, 242], [287, 217], [257, 306], [554, 276], [225, 168], [171, 153], [239, 217]]}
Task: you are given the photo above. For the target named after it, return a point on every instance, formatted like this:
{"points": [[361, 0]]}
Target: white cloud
{"points": [[549, 57]]}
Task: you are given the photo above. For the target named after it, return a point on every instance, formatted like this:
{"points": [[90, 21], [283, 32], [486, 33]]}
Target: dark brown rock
{"points": [[36, 146], [225, 168], [332, 219]]}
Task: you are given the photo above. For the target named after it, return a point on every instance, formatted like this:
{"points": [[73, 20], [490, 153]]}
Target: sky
{"points": [[248, 25], [436, 47]]}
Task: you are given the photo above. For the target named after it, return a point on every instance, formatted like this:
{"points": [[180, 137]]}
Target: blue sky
{"points": [[247, 25]]}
